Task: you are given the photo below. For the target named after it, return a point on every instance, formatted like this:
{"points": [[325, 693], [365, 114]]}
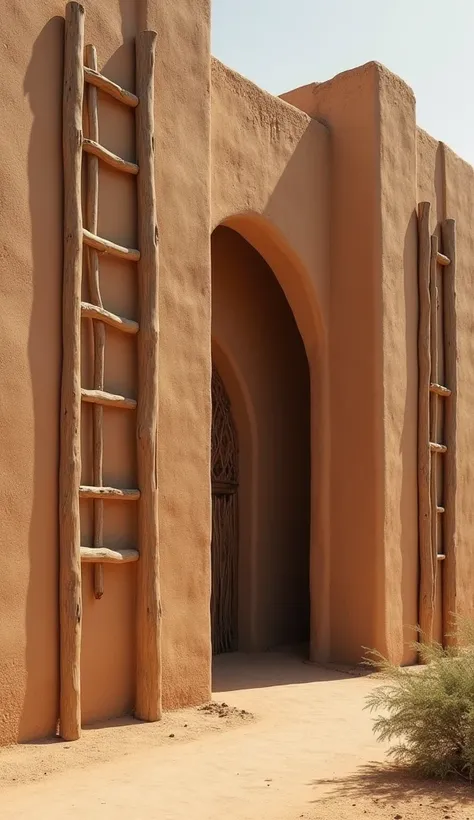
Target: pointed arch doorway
{"points": [[260, 551], [225, 539]]}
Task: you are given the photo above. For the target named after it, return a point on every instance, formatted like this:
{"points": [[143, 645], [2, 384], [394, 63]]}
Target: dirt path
{"points": [[308, 752]]}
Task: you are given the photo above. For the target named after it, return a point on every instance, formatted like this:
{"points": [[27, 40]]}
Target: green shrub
{"points": [[429, 710]]}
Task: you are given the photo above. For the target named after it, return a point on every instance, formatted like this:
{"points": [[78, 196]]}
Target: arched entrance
{"points": [[225, 521], [261, 387]]}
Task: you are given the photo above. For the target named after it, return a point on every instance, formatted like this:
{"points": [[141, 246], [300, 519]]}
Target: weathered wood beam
{"points": [[148, 700], [70, 597]]}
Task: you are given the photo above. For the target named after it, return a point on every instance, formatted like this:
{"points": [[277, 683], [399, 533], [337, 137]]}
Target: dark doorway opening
{"points": [[261, 464]]}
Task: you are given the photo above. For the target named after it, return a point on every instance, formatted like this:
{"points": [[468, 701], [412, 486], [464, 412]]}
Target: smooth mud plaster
{"points": [[373, 323], [308, 204]]}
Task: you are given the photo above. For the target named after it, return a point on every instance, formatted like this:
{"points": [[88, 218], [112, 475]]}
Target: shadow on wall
{"points": [[43, 89]]}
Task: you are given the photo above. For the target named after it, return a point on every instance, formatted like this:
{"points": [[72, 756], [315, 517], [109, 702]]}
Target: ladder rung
{"points": [[106, 246], [92, 147], [442, 259], [437, 448], [440, 557], [108, 493], [89, 311], [104, 84], [440, 510], [103, 555], [440, 390], [107, 399]]}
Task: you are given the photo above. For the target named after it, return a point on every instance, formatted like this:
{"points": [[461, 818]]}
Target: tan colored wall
{"points": [[260, 356], [330, 206], [183, 193], [370, 116], [31, 182]]}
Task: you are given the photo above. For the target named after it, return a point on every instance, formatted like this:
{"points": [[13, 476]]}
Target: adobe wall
{"points": [[382, 167], [270, 182], [260, 356], [372, 353], [330, 206], [30, 358]]}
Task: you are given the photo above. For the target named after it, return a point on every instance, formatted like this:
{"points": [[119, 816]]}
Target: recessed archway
{"points": [[260, 357]]}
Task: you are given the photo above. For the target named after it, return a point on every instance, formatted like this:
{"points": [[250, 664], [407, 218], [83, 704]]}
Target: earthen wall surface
{"points": [[324, 184]]}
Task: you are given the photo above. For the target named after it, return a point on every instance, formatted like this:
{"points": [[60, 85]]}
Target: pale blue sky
{"points": [[281, 44]]}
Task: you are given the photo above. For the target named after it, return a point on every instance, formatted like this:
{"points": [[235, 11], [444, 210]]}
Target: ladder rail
{"points": [[70, 592], [99, 243], [148, 698]]}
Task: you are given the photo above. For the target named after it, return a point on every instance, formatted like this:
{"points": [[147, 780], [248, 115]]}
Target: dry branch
{"points": [[90, 146], [106, 246], [109, 87]]}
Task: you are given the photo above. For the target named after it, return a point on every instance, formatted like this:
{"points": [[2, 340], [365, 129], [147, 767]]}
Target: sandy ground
{"points": [[301, 748]]}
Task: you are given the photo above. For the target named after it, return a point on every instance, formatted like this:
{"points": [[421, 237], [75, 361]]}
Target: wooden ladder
{"points": [[76, 236], [436, 351]]}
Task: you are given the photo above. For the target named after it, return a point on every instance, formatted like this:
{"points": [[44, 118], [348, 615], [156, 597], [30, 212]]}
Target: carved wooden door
{"points": [[224, 545]]}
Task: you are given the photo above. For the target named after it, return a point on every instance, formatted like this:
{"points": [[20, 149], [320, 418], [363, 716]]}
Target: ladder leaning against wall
{"points": [[437, 397], [77, 76]]}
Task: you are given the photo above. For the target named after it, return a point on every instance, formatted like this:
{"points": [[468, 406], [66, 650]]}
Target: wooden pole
{"points": [[427, 571], [98, 328], [148, 682], [448, 230], [70, 599]]}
